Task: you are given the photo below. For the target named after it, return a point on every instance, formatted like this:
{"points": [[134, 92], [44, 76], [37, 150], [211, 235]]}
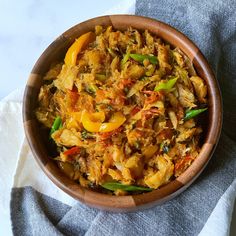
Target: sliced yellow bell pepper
{"points": [[115, 122], [77, 47], [97, 116], [93, 122]]}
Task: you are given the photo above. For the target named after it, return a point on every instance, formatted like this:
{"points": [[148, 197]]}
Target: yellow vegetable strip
{"points": [[115, 122], [93, 122], [77, 47]]}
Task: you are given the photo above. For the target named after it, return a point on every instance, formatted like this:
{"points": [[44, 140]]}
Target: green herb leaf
{"points": [[168, 85], [116, 185], [189, 114], [140, 58], [57, 124]]}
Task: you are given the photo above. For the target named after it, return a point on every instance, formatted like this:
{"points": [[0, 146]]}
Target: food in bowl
{"points": [[123, 110]]}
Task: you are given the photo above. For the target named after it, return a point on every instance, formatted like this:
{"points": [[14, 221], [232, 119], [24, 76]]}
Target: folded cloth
{"points": [[40, 208]]}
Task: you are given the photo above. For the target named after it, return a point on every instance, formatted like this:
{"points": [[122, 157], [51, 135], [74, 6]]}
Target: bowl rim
{"points": [[173, 188]]}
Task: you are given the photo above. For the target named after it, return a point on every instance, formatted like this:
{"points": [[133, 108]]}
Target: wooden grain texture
{"points": [[38, 142]]}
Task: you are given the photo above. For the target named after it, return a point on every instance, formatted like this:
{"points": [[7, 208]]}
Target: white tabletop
{"points": [[28, 27]]}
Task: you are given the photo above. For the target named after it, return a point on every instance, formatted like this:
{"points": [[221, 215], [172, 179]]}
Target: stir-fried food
{"points": [[123, 111]]}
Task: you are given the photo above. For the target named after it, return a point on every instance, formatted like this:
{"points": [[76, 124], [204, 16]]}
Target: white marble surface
{"points": [[27, 27]]}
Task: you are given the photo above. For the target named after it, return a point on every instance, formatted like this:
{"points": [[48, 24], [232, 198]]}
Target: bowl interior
{"points": [[38, 143]]}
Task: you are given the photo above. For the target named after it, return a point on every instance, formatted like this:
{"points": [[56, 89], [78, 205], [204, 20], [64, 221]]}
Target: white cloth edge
{"points": [[219, 221], [37, 179]]}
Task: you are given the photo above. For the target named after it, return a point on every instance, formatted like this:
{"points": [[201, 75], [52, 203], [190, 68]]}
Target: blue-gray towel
{"points": [[212, 26]]}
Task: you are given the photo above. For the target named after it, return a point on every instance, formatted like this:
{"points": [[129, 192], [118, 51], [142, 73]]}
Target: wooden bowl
{"points": [[38, 144]]}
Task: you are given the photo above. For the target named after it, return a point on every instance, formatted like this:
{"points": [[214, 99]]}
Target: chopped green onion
{"points": [[189, 114], [57, 124], [125, 58], [140, 58], [116, 185], [168, 85]]}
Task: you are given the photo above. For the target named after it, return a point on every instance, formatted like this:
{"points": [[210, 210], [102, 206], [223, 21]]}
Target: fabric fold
{"points": [[33, 213]]}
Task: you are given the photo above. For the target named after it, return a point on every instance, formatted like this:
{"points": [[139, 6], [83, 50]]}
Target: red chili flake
{"points": [[72, 151]]}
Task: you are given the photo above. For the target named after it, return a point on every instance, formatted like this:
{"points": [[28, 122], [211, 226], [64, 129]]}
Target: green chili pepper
{"points": [[57, 124], [141, 58], [189, 114], [168, 85], [116, 185], [125, 58]]}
